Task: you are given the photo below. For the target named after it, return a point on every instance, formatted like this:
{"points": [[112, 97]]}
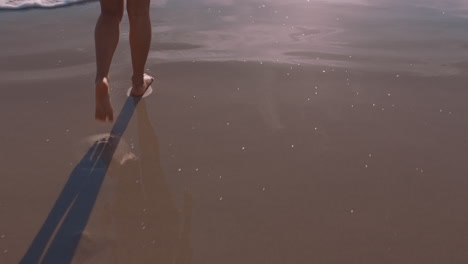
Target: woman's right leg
{"points": [[106, 37]]}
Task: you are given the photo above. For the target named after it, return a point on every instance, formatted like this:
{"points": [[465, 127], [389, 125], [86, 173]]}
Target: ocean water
{"points": [[424, 37], [22, 4]]}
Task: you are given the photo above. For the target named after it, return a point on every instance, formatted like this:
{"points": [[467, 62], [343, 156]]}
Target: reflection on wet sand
{"points": [[145, 222]]}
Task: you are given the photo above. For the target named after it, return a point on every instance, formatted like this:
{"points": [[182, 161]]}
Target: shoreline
{"points": [[240, 162]]}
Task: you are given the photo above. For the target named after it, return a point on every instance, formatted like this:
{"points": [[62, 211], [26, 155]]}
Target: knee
{"points": [[114, 13], [137, 13]]}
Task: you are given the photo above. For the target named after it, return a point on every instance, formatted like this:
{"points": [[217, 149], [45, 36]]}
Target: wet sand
{"points": [[282, 140]]}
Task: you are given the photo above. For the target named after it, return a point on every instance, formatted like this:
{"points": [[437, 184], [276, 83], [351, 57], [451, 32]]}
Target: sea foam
{"points": [[22, 4]]}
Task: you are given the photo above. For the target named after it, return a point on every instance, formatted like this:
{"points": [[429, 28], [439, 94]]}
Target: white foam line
{"points": [[23, 4]]}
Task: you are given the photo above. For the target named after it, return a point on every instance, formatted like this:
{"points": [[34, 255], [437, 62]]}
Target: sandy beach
{"points": [[276, 132]]}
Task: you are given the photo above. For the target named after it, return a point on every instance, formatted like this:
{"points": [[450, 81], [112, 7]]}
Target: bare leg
{"points": [[106, 39], [140, 41]]}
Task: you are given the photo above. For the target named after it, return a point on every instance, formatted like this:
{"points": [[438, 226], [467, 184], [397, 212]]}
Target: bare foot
{"points": [[140, 86], [104, 109]]}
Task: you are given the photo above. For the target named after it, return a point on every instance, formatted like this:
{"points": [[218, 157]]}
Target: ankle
{"points": [[137, 79], [99, 80], [102, 87]]}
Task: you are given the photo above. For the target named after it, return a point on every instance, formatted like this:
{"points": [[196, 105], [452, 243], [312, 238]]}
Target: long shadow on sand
{"points": [[60, 234]]}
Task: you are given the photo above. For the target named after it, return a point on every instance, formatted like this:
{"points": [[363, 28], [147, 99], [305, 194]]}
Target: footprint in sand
{"points": [[122, 154]]}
